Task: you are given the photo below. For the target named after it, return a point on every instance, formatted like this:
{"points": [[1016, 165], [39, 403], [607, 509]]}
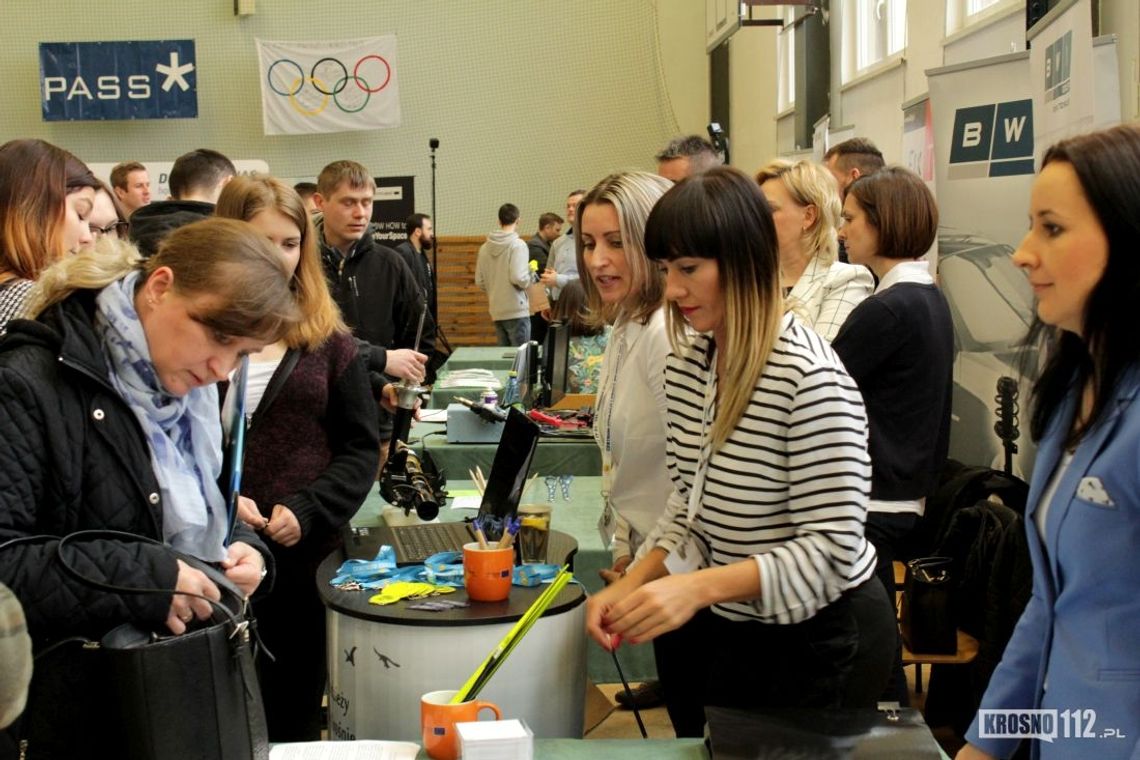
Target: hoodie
{"points": [[501, 271]]}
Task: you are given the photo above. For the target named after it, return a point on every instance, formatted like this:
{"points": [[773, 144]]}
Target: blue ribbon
{"points": [[442, 569]]}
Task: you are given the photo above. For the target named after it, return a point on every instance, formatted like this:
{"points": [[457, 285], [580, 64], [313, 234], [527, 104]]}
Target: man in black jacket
{"points": [[378, 294], [196, 181]]}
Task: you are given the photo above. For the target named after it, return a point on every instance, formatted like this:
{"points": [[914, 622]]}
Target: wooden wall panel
{"points": [[462, 307]]}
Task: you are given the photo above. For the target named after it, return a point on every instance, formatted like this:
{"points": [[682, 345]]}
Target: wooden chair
{"points": [[967, 644]]}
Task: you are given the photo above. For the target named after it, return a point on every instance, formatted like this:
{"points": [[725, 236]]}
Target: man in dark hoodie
{"points": [[378, 295], [196, 180]]}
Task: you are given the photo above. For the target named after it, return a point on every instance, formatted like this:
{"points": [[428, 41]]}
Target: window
{"points": [[786, 61], [964, 13], [875, 31]]}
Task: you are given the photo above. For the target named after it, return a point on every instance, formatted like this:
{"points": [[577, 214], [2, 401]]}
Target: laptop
{"points": [[509, 471]]}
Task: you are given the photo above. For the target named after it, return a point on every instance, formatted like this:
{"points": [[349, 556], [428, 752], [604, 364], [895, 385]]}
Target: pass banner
{"points": [[328, 86], [103, 81]]}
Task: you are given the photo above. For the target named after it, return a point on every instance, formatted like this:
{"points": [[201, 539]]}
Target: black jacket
{"points": [[73, 457], [378, 296], [420, 264], [154, 221]]}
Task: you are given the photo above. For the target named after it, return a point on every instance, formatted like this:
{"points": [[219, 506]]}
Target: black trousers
{"points": [[750, 665], [291, 623], [887, 532]]}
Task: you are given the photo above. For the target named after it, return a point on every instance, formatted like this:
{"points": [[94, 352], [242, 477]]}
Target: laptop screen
{"points": [[509, 472]]}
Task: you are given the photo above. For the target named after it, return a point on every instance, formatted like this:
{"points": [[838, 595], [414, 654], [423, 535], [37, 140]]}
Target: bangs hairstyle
{"points": [[632, 195], [341, 172], [1107, 165], [810, 184], [900, 207], [722, 215], [243, 198], [227, 260], [35, 180]]}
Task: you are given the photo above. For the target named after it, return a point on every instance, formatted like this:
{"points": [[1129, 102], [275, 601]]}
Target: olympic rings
{"points": [[342, 82], [326, 66], [301, 109], [387, 76], [300, 78]]}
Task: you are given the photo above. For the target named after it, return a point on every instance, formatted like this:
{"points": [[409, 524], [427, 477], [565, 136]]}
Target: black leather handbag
{"points": [[193, 696], [927, 620]]}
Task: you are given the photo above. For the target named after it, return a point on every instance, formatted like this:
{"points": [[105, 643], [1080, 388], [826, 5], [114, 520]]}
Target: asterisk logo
{"points": [[175, 74]]}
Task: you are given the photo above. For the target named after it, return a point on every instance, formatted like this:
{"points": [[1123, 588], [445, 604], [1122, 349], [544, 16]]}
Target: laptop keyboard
{"points": [[418, 542]]}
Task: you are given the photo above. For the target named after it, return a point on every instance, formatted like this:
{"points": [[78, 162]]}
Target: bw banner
{"points": [[332, 86]]}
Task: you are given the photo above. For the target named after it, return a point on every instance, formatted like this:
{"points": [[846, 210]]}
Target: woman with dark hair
{"points": [[587, 339], [311, 405], [898, 345], [46, 195], [107, 218], [759, 563], [1075, 650], [110, 419]]}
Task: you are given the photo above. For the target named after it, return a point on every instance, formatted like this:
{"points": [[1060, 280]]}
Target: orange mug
{"points": [[487, 572], [438, 718]]}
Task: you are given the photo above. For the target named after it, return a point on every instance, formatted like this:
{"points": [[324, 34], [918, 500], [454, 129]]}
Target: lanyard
{"points": [[703, 456]]}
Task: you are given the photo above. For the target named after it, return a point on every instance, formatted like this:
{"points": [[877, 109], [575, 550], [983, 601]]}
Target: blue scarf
{"points": [[184, 434]]}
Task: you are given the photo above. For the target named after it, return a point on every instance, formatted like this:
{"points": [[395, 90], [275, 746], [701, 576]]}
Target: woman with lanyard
{"points": [[759, 562], [623, 289]]}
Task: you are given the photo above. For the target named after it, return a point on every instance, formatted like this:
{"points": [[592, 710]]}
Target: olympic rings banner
{"points": [[333, 86]]}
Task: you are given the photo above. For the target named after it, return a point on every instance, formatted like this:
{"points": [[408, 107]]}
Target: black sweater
{"points": [[898, 345]]}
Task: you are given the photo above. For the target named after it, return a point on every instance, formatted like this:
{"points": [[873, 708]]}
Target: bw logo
{"points": [[994, 140]]}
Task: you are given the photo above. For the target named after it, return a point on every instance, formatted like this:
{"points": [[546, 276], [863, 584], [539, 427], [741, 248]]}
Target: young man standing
{"points": [[562, 266], [196, 181], [502, 273], [549, 229], [414, 252], [851, 159], [131, 184]]}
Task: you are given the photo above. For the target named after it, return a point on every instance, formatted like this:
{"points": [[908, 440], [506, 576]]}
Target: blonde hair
{"points": [[721, 215], [244, 198], [632, 195], [810, 184], [222, 258]]}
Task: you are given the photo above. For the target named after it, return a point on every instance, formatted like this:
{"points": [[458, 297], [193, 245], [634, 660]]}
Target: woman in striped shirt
{"points": [[759, 563]]}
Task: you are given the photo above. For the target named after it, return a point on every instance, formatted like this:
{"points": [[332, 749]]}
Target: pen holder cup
{"points": [[438, 718], [487, 572]]}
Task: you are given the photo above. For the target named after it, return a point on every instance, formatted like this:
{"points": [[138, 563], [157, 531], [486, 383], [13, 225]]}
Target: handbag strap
{"points": [[223, 584]]}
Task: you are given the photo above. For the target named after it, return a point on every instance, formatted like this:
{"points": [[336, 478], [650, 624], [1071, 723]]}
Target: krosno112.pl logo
{"points": [[1046, 725]]}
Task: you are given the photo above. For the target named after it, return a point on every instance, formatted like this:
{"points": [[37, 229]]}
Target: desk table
{"points": [[381, 659], [480, 357], [605, 749], [554, 456], [578, 518], [441, 396]]}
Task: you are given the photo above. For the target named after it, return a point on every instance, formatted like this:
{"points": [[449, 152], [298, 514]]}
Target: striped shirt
{"points": [[789, 487]]}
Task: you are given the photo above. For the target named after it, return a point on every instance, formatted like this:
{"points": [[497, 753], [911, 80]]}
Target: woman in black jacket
{"points": [[311, 406], [109, 413]]}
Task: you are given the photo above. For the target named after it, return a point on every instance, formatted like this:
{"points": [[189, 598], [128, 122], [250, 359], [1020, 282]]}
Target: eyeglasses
{"points": [[119, 228]]}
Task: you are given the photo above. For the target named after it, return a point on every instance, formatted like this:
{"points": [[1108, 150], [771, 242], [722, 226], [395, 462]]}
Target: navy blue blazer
{"points": [[1077, 646]]}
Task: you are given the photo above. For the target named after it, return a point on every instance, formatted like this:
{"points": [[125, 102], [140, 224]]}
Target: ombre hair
{"points": [[721, 215], [632, 195], [35, 179], [809, 184], [229, 261], [244, 197]]}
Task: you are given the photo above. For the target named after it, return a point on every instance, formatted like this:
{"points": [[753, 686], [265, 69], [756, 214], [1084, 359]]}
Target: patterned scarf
{"points": [[184, 434]]}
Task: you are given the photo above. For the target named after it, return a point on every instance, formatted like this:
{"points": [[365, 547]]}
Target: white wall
{"points": [[872, 104], [529, 98]]}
